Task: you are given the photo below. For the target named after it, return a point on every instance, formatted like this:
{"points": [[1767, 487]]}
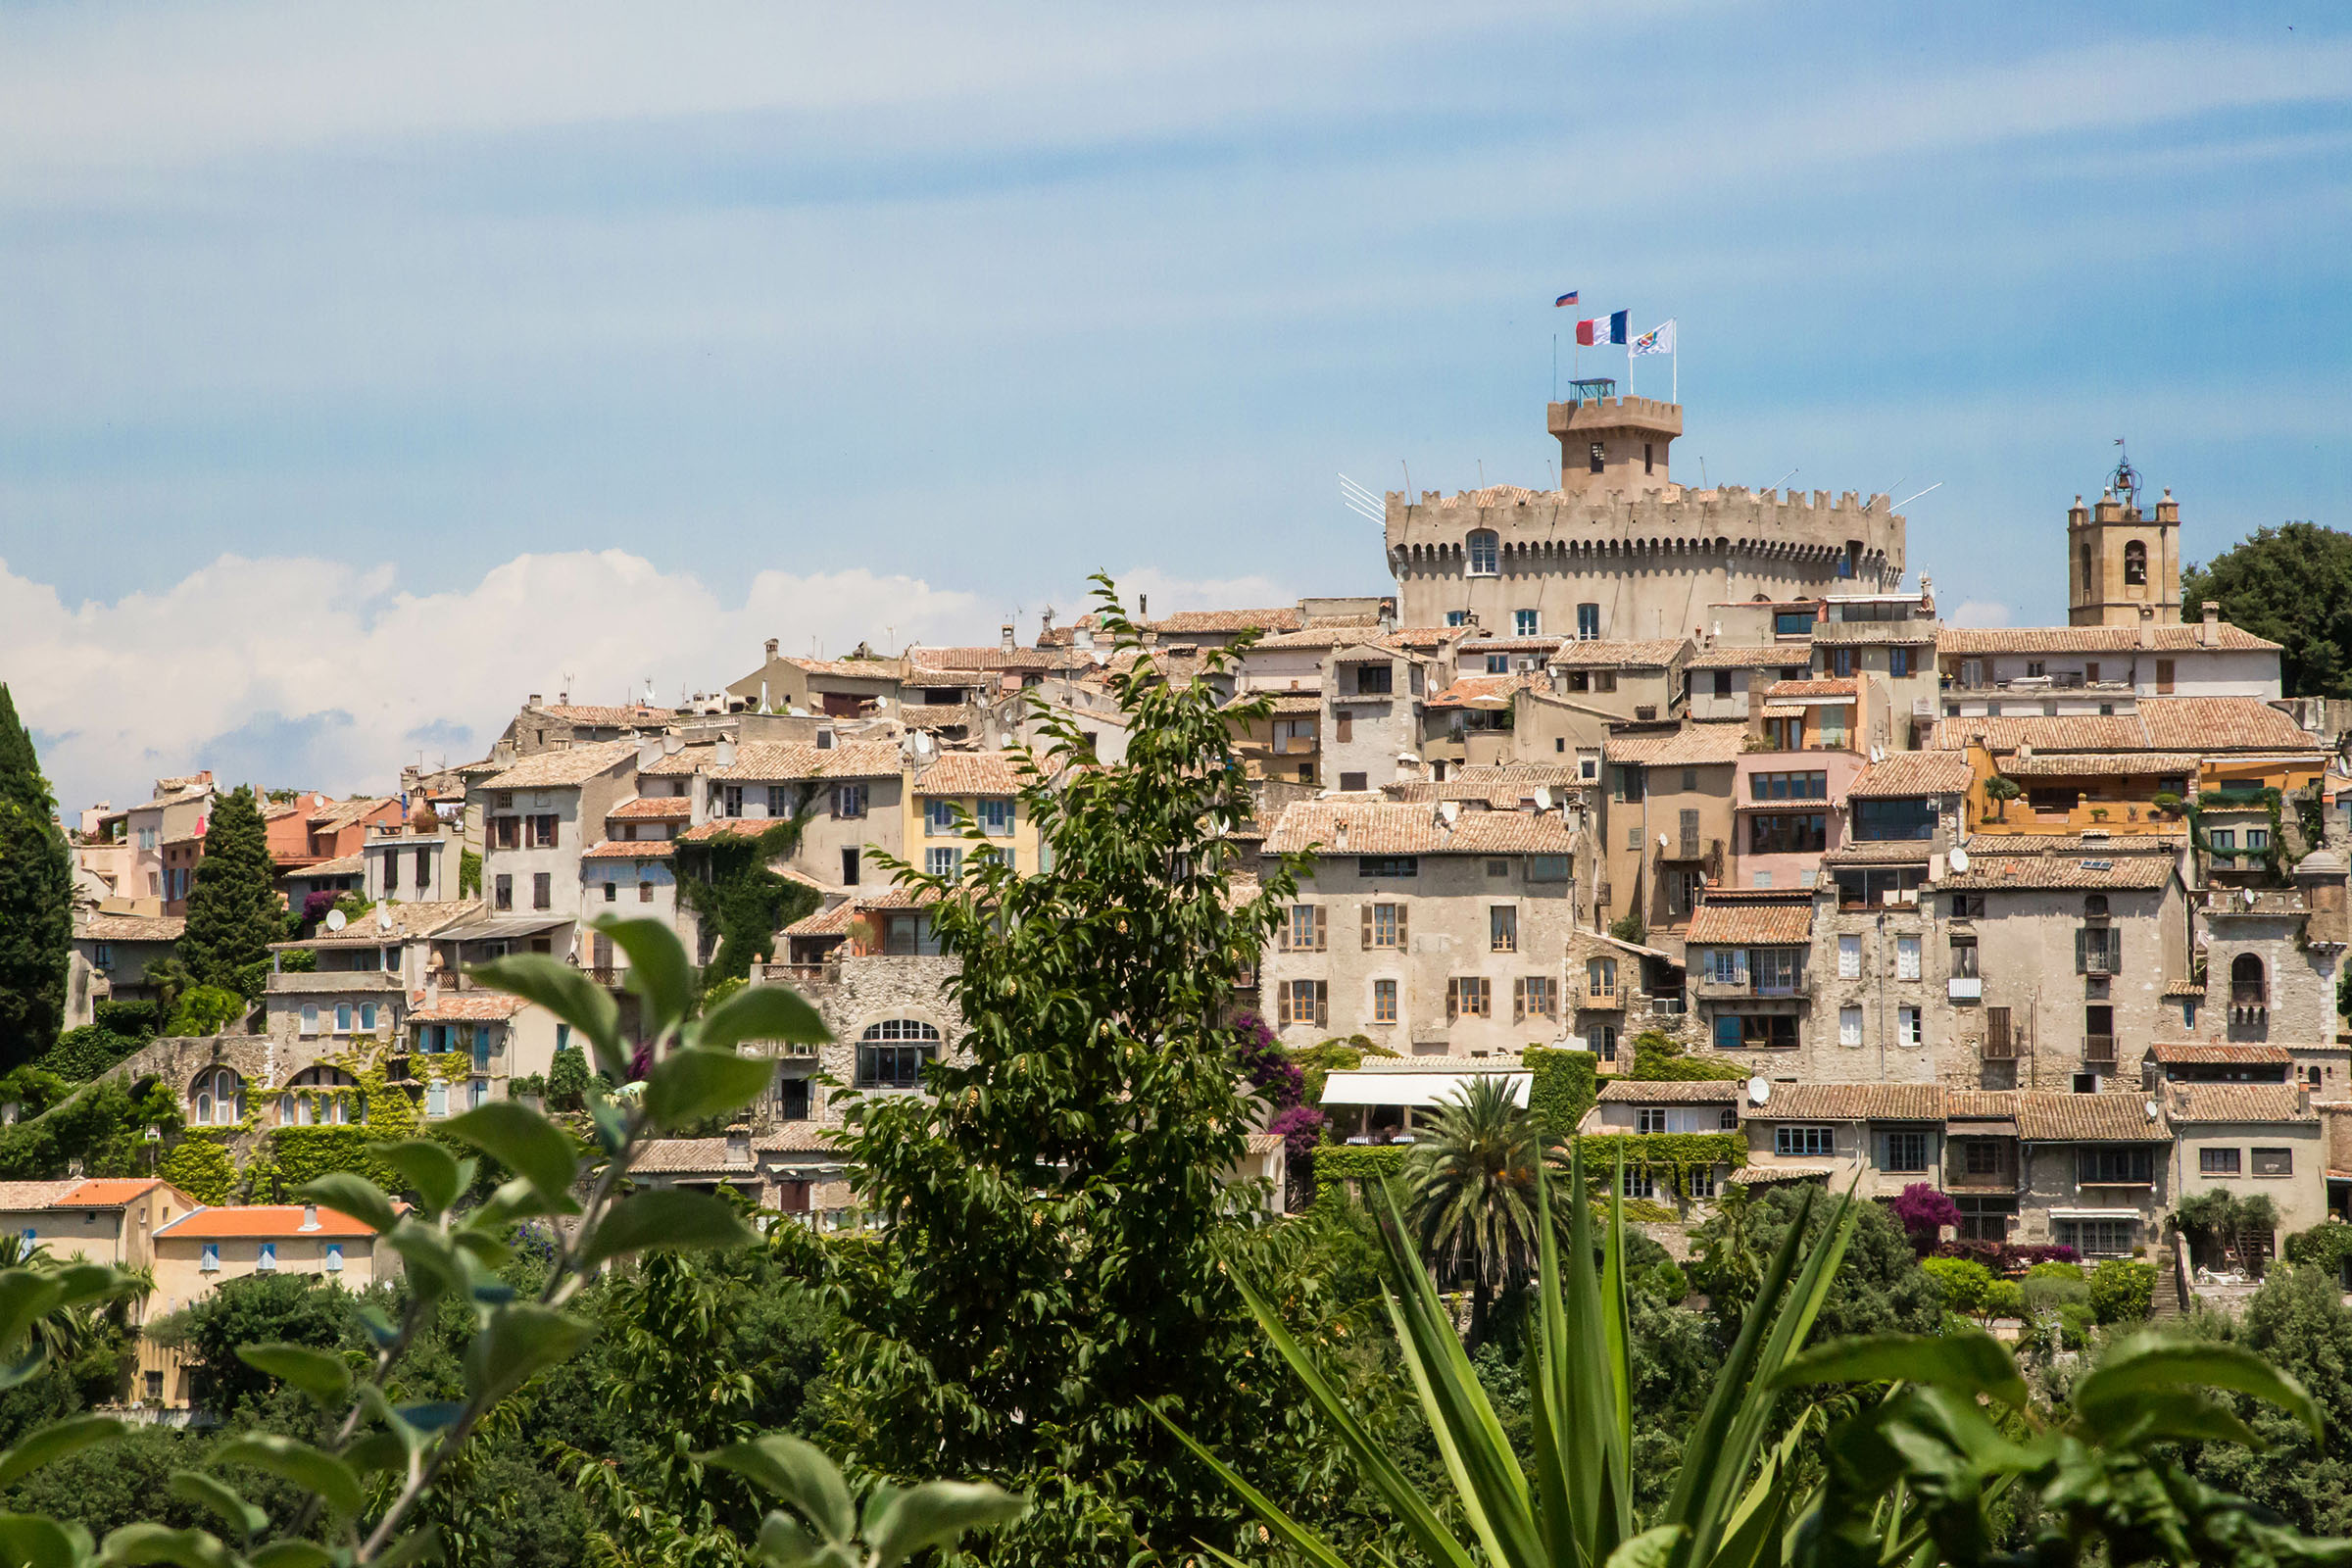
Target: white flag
{"points": [[1659, 340]]}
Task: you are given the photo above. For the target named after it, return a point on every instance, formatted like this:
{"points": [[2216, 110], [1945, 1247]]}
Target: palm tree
{"points": [[1471, 1195]]}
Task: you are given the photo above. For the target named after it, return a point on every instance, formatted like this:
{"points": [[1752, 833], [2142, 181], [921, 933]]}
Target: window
{"points": [[2249, 986], [792, 1100], [543, 889], [1547, 868], [1906, 1026], [1526, 622], [612, 893], [2098, 950], [334, 1257], [1629, 779], [2098, 1238], [1702, 1181], [1980, 1156], [1483, 549], [2217, 1161], [1964, 958], [1778, 970], [1503, 929], [1726, 967], [218, 1098], [1537, 996], [1601, 1039], [891, 1053], [2135, 562], [943, 861], [1906, 957], [645, 886], [2257, 839], [1898, 662], [1303, 1001], [543, 830], [2273, 1162], [1594, 457], [1374, 680], [481, 1048], [1384, 1001], [1354, 783], [1384, 925], [1907, 1152], [310, 1017], [391, 872], [1968, 906], [2116, 1165], [849, 799], [502, 891], [1793, 624], [938, 817], [506, 832], [1638, 1182], [1469, 997], [1648, 457], [1849, 1026], [996, 815], [342, 1017], [1722, 683], [2164, 677], [1389, 866], [1788, 832], [1650, 1119], [436, 1100], [1849, 957], [1306, 929], [1457, 617], [211, 1259], [1785, 786], [477, 1092], [1903, 817], [1802, 1140], [1587, 622], [1755, 1031], [1838, 660]]}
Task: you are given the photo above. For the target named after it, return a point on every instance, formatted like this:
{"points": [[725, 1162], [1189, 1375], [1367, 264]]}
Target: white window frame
{"points": [[1849, 957], [1849, 1026], [1906, 957]]}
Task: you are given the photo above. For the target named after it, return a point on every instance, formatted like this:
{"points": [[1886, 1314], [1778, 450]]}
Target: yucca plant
{"points": [[1575, 1507]]}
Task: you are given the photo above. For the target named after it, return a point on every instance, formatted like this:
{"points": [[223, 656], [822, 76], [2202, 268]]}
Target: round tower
{"points": [[2122, 564]]}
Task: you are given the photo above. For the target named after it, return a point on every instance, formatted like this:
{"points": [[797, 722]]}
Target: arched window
{"points": [[216, 1100], [891, 1053], [306, 1101], [2135, 562], [1486, 553], [1600, 978], [2249, 986]]}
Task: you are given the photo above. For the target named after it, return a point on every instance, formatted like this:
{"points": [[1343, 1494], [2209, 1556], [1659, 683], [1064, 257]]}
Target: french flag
{"points": [[1602, 329]]}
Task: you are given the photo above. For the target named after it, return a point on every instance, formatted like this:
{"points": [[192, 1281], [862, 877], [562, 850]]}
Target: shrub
{"points": [[1278, 1080], [2047, 1293], [2122, 1291], [1922, 1211], [2004, 1299], [298, 961], [81, 1054], [1300, 1129], [2054, 1270], [2075, 1324], [139, 1019], [2323, 1246], [568, 1080], [1965, 1283], [1658, 1059], [207, 1010], [1667, 1282]]}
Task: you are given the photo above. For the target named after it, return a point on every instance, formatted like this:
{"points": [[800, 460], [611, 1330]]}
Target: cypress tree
{"points": [[36, 900], [233, 908]]}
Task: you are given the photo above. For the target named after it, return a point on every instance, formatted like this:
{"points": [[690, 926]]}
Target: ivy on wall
{"points": [[1562, 1086], [199, 1165], [727, 884]]}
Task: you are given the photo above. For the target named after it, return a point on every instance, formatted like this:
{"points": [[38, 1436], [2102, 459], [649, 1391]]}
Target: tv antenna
{"points": [[1360, 501], [1914, 495]]}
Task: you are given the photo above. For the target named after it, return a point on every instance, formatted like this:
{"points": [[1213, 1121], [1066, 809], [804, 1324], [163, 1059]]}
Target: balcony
{"points": [[1605, 997], [2002, 1178], [1964, 988]]}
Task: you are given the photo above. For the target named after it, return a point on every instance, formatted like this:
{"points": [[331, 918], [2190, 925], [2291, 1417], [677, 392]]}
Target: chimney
{"points": [[310, 1216], [2302, 1099], [2209, 629], [2147, 626], [534, 701], [432, 989], [739, 1143], [649, 750], [771, 646], [1005, 636], [723, 754], [562, 699], [1142, 606]]}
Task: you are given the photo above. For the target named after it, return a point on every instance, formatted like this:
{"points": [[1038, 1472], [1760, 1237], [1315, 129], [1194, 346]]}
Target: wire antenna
{"points": [[1916, 494], [1360, 501]]}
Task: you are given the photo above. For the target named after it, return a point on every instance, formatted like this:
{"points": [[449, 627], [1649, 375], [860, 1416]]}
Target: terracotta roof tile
{"points": [[1740, 922], [775, 761], [341, 865], [2091, 639], [972, 773], [1285, 618], [113, 1192], [2208, 725], [686, 1156], [847, 668], [2058, 1118], [408, 921], [1336, 828], [563, 770], [1693, 745], [1991, 866], [630, 850], [636, 714], [651, 808], [832, 922], [1875, 633], [35, 1195], [1672, 1092], [2212, 1052], [264, 1221], [2168, 839], [2081, 732], [1483, 691], [1584, 653], [1901, 773], [1782, 656], [2225, 1103], [965, 661], [130, 927], [1849, 1103], [2098, 764], [1788, 691], [464, 1006], [1878, 852]]}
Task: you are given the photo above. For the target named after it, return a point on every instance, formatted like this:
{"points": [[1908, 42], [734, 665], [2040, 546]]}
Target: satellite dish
{"points": [[1662, 841], [334, 919], [1759, 1091], [1959, 859], [2151, 1110], [383, 917]]}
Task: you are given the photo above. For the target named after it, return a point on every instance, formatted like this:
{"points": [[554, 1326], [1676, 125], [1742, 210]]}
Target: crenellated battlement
{"points": [[1726, 518]]}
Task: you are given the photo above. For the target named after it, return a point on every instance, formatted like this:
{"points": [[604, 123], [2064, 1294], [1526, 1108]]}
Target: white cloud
{"points": [[1981, 613], [319, 674]]}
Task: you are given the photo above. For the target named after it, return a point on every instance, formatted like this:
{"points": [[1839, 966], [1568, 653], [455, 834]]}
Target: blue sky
{"points": [[768, 321]]}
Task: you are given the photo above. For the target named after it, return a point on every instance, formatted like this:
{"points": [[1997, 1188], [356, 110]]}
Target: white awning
{"points": [[1420, 1088], [2096, 1213]]}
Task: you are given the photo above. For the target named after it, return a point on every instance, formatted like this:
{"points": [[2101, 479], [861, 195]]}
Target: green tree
{"points": [[233, 908], [303, 1309], [2293, 585], [1471, 1194], [36, 898], [1051, 1269]]}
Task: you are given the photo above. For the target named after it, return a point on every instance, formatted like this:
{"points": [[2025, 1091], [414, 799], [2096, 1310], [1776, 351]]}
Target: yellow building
{"points": [[112, 1221], [959, 792]]}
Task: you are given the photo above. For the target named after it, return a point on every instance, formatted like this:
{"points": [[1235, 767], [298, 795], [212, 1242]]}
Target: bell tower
{"points": [[2123, 565]]}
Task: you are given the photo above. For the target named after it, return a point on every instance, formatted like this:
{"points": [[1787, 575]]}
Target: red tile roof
{"points": [[1740, 922], [1672, 1092], [1658, 652], [567, 768], [2233, 1102], [1353, 827], [2093, 639], [1849, 1103], [1902, 773], [972, 773], [2215, 1054], [1694, 745], [651, 808], [1788, 691], [464, 1006], [1786, 656], [632, 850], [264, 1221]]}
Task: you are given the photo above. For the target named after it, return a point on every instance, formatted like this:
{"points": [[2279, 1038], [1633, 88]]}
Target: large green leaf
{"points": [[431, 1169], [694, 1084], [570, 994], [2146, 1362], [53, 1442], [348, 1193], [293, 1554], [223, 1499], [1651, 1548], [1294, 1535], [659, 971], [317, 1373], [39, 1542], [761, 1014], [315, 1470], [2131, 1421], [666, 1218], [524, 1142], [27, 1296], [518, 1342], [937, 1513], [1969, 1362], [435, 1266], [797, 1472]]}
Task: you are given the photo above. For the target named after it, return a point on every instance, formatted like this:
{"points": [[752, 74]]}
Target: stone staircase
{"points": [[2172, 1296]]}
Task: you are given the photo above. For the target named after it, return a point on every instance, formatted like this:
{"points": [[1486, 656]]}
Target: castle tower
{"points": [[2120, 565], [1610, 444]]}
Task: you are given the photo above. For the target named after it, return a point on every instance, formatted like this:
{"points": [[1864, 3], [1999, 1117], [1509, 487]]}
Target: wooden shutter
{"points": [[1364, 914], [1282, 938], [1402, 944], [1518, 1000], [1322, 929], [1282, 1004], [1996, 1032], [1322, 1006], [1345, 725], [2083, 951], [1453, 1000]]}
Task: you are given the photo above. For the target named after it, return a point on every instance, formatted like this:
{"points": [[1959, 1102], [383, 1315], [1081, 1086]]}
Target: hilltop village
{"points": [[2047, 918]]}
